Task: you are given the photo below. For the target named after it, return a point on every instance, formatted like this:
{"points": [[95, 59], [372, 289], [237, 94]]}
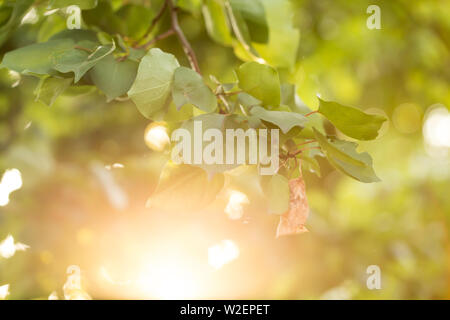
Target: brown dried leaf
{"points": [[293, 221]]}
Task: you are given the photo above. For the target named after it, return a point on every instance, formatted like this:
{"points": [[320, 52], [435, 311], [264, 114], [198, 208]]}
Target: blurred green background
{"points": [[64, 210]]}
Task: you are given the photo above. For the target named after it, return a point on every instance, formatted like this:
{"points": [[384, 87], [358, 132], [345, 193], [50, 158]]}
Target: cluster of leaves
{"points": [[115, 51]]}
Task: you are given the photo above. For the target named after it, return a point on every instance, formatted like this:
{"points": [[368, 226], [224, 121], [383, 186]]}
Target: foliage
{"points": [[230, 64], [160, 81]]}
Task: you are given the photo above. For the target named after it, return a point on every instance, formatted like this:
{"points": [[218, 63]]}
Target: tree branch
{"points": [[232, 93], [238, 33], [164, 35], [184, 42], [154, 22], [311, 113], [83, 49], [306, 142]]}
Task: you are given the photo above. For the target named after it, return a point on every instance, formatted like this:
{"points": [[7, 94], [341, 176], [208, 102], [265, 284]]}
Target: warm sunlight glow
{"points": [[436, 129], [156, 137], [4, 291], [8, 248], [11, 181], [234, 208], [222, 253], [114, 166], [31, 17], [168, 280], [53, 296], [260, 60], [14, 76], [104, 273]]}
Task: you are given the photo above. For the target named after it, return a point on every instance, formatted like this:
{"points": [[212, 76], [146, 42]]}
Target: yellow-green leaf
{"points": [[283, 119], [188, 87], [216, 22], [344, 157], [261, 81], [83, 4], [50, 88], [351, 121], [36, 58], [151, 91], [114, 77]]}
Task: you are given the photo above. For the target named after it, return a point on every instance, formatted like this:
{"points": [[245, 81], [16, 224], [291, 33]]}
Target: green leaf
{"points": [[151, 91], [278, 193], [216, 21], [49, 88], [188, 87], [351, 121], [246, 179], [104, 18], [184, 187], [344, 157], [309, 162], [292, 100], [254, 16], [288, 97], [15, 15], [207, 121], [193, 6], [79, 61], [36, 58], [5, 14], [220, 122], [281, 50], [83, 4], [282, 119], [114, 78], [76, 35], [238, 22], [247, 100], [52, 25], [138, 19], [261, 81], [136, 54], [243, 47], [173, 115], [60, 53]]}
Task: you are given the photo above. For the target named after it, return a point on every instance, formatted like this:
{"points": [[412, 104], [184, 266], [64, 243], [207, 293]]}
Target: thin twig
{"points": [[311, 113], [149, 43], [184, 42], [83, 49], [312, 148], [225, 103], [229, 93], [306, 142], [296, 153], [238, 33], [154, 22], [243, 110]]}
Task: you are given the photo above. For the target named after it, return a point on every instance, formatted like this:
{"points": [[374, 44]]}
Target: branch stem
{"points": [[187, 48], [151, 42], [297, 152], [229, 93], [311, 113], [306, 142], [83, 49], [154, 22]]}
